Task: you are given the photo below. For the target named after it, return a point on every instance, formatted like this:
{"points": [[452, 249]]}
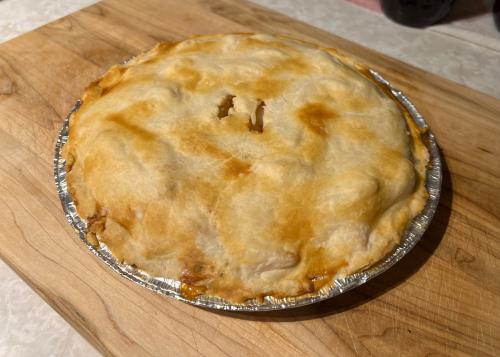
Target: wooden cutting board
{"points": [[444, 297]]}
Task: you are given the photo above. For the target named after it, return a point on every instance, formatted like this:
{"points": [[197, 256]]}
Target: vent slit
{"points": [[225, 105], [258, 126]]}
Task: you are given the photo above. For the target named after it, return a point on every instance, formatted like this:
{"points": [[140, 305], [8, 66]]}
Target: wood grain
{"points": [[443, 298]]}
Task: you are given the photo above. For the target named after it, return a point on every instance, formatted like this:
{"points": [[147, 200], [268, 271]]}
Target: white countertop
{"points": [[466, 50]]}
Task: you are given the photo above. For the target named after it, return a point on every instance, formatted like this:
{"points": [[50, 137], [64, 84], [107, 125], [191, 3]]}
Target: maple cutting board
{"points": [[444, 297]]}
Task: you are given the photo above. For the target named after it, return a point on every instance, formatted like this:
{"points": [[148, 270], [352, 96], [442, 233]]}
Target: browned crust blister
{"points": [[244, 165]]}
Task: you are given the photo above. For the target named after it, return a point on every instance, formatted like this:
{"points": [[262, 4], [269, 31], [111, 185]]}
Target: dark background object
{"points": [[496, 14], [468, 9], [416, 13]]}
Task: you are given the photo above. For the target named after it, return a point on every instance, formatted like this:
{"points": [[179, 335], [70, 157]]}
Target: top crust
{"points": [[244, 165]]}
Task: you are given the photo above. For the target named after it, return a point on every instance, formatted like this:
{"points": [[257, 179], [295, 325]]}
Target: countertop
{"points": [[465, 50]]}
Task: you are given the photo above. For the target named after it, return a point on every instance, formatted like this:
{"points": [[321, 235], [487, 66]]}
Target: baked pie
{"points": [[244, 165]]}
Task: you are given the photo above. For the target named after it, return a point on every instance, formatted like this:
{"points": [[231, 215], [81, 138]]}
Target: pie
{"points": [[244, 165]]}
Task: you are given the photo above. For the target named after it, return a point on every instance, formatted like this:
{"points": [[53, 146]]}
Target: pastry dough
{"points": [[244, 165]]}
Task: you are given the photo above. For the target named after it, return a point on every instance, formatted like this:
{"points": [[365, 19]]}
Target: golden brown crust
{"points": [[244, 165]]}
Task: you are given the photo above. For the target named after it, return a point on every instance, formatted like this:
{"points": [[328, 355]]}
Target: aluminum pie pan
{"points": [[172, 287]]}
